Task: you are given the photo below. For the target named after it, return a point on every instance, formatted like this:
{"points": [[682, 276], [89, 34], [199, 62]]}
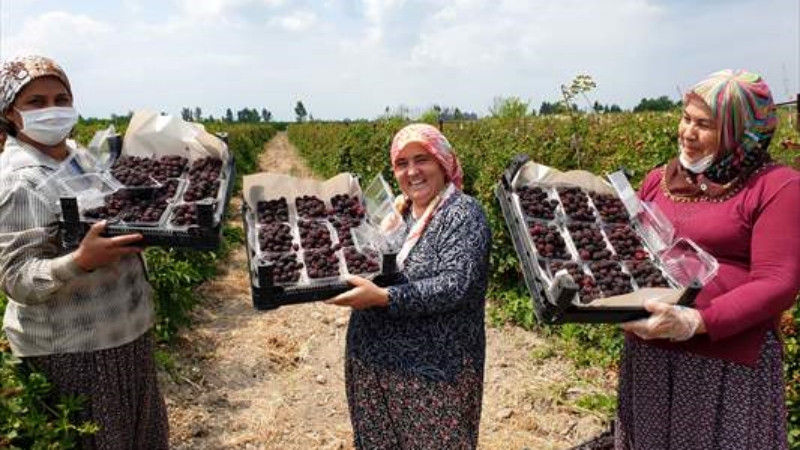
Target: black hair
{"points": [[8, 127]]}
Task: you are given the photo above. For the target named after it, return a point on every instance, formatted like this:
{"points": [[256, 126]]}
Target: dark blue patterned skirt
{"points": [[394, 410], [678, 400], [121, 392]]}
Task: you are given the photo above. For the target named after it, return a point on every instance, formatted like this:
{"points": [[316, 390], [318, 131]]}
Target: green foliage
{"points": [[510, 108], [790, 328], [659, 104], [26, 420], [600, 402]]}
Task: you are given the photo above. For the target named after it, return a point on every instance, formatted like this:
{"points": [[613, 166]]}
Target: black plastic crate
{"points": [[267, 296], [555, 305], [206, 235]]}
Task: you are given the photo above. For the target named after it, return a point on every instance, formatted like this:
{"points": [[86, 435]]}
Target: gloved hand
{"points": [[673, 322]]}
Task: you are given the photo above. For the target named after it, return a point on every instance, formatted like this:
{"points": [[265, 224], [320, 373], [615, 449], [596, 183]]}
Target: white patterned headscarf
{"points": [[16, 73]]}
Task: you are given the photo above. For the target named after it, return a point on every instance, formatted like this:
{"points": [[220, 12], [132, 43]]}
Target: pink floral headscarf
{"points": [[16, 73], [435, 143]]}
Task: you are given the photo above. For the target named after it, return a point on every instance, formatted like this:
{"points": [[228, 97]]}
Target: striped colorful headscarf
{"points": [[745, 115], [435, 143]]}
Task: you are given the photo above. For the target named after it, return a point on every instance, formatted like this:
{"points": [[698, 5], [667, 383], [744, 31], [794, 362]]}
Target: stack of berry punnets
{"points": [[583, 232], [307, 223], [161, 191]]}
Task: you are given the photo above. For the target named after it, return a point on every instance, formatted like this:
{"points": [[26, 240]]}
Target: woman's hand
{"points": [[676, 323], [97, 251], [365, 294]]}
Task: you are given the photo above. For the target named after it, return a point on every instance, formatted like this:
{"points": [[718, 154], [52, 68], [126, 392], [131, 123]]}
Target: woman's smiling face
{"points": [[419, 174], [697, 133]]}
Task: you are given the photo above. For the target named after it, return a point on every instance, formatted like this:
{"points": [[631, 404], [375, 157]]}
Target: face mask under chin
{"points": [[697, 166]]}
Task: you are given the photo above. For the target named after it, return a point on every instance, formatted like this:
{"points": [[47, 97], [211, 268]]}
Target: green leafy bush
{"points": [[26, 419]]}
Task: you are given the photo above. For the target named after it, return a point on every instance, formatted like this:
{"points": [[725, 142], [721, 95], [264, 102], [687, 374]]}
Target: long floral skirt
{"points": [[391, 410], [677, 400], [121, 394]]}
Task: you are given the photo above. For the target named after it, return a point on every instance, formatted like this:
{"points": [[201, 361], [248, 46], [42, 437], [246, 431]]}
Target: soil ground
{"points": [[243, 379]]}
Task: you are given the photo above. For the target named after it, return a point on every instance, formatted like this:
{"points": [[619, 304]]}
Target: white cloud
{"points": [[58, 32], [211, 9], [296, 21]]}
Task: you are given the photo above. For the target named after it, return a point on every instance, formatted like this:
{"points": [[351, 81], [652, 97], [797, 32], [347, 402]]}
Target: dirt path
{"points": [[275, 380]]}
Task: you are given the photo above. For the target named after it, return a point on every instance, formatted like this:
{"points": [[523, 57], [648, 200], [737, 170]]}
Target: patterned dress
{"points": [[677, 400], [414, 370]]}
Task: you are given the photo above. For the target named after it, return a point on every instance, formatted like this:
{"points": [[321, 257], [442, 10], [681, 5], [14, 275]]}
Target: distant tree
{"points": [[248, 115], [228, 115], [198, 114], [614, 109], [548, 108], [300, 111], [598, 108], [509, 107], [662, 103], [186, 114], [266, 115]]}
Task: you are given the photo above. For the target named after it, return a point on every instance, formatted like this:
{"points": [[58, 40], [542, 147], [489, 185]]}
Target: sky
{"points": [[350, 59]]}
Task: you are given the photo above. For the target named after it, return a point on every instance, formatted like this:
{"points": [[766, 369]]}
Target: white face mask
{"points": [[698, 166], [48, 126]]}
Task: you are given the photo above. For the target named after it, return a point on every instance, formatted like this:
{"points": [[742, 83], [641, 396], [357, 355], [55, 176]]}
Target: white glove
{"points": [[673, 322]]}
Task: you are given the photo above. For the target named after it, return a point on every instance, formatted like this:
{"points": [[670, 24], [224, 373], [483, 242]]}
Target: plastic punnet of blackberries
{"points": [[547, 240], [286, 267], [576, 204], [587, 286], [538, 202]]}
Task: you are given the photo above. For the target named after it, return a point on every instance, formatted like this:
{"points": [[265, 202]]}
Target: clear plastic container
{"points": [[548, 240], [590, 248], [378, 200], [538, 202], [364, 262], [646, 274], [654, 227], [315, 234], [264, 232], [89, 189], [612, 278], [684, 261], [581, 275], [292, 268], [626, 242], [318, 276], [580, 208], [610, 209]]}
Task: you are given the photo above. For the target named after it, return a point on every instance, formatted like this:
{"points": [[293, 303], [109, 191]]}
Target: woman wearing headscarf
{"points": [[712, 377], [415, 351], [81, 317]]}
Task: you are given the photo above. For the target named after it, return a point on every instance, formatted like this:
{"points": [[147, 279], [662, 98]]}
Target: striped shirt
{"points": [[55, 306]]}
